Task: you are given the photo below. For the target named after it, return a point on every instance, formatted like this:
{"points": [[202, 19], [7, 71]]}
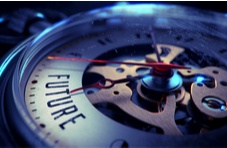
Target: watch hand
{"points": [[157, 65], [155, 47], [107, 83]]}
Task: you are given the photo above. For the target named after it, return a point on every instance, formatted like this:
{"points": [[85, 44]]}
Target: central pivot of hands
{"points": [[162, 80]]}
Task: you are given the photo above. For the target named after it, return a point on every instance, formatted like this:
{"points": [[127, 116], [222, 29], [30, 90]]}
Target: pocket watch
{"points": [[135, 75]]}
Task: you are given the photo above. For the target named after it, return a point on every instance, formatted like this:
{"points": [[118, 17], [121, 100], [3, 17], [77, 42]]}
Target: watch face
{"points": [[122, 76]]}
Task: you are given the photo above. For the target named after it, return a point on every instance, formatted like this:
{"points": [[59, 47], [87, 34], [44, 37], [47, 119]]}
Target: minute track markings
{"points": [[32, 88], [32, 95], [48, 134], [56, 141], [33, 102], [142, 35], [34, 110], [105, 41]]}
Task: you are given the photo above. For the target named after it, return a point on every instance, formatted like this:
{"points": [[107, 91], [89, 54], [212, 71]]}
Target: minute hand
{"points": [[159, 65]]}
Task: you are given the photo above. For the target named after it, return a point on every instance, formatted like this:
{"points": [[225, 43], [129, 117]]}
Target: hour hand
{"points": [[107, 83]]}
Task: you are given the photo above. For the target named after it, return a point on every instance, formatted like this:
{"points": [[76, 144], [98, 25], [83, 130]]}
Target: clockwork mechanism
{"points": [[121, 76], [160, 97]]}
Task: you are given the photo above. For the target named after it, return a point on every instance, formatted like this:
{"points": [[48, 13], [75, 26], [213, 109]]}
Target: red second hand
{"points": [[159, 65]]}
